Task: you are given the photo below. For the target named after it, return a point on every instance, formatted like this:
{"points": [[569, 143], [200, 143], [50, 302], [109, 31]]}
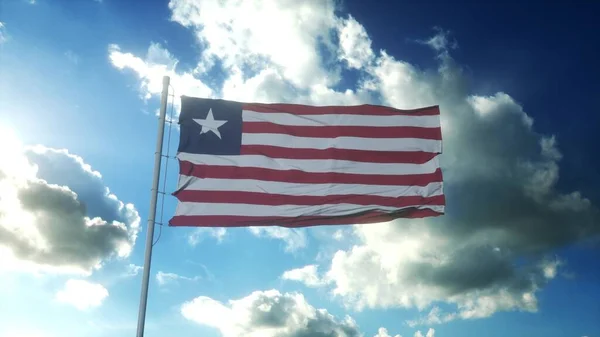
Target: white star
{"points": [[210, 124]]}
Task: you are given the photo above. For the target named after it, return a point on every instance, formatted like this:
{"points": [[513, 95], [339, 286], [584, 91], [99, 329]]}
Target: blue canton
{"points": [[192, 140]]}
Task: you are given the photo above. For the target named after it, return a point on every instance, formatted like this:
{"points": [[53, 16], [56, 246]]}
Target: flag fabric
{"points": [[250, 164]]}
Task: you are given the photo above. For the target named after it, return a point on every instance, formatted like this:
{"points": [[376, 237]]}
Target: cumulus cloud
{"points": [[56, 214], [268, 314], [288, 37], [505, 215], [297, 62], [294, 239], [503, 207], [82, 294]]}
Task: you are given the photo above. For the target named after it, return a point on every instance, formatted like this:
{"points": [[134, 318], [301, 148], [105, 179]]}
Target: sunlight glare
{"points": [[15, 174]]}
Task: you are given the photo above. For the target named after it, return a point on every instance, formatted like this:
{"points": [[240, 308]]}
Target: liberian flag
{"points": [[249, 164]]}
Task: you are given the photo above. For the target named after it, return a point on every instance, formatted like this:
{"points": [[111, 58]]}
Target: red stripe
{"points": [[332, 131], [340, 154], [374, 110], [245, 221], [297, 176], [257, 198]]}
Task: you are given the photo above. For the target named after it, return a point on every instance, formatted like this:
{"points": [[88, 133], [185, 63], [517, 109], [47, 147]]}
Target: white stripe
{"points": [[311, 165], [349, 143], [211, 209], [320, 190], [283, 118]]}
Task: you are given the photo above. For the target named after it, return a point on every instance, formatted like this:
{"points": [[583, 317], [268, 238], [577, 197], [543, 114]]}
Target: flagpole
{"points": [[152, 212]]}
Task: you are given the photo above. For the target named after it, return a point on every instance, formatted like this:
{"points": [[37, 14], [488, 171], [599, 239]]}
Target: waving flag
{"points": [[247, 164]]}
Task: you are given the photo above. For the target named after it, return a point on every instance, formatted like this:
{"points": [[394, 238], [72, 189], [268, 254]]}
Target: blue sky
{"points": [[516, 254]]}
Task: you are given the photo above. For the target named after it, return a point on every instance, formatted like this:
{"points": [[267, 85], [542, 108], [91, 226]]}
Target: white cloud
{"points": [[218, 233], [164, 278], [441, 41], [157, 63], [56, 214], [261, 63], [288, 36], [267, 314], [430, 333], [355, 44], [383, 332], [402, 85], [500, 174], [82, 294], [338, 235], [294, 239], [307, 275], [435, 316], [417, 263]]}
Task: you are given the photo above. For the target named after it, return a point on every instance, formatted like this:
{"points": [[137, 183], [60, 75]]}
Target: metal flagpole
{"points": [[152, 213]]}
